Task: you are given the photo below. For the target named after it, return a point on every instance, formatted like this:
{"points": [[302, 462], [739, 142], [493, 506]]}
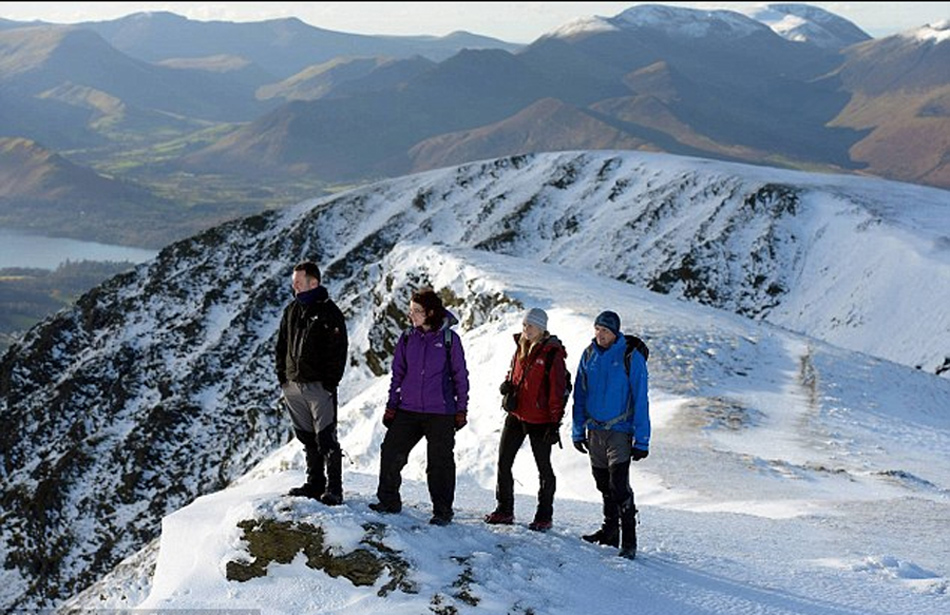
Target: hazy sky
{"points": [[516, 22]]}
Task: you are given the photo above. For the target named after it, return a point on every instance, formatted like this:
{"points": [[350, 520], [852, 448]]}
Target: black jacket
{"points": [[312, 342]]}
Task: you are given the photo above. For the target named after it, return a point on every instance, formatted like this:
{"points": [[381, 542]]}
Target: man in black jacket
{"points": [[311, 357]]}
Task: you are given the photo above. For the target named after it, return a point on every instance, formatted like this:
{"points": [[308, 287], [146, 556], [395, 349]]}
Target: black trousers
{"points": [[324, 460], [407, 429], [513, 435], [613, 482]]}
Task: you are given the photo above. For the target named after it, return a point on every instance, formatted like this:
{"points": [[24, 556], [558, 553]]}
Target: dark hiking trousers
{"points": [[324, 460], [313, 411], [613, 482], [407, 429], [513, 435]]}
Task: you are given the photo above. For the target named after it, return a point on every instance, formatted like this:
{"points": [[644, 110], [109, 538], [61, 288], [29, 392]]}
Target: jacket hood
{"points": [[450, 320]]}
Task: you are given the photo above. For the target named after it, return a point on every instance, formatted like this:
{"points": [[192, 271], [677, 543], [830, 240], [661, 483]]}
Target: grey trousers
{"points": [[608, 448], [311, 406]]}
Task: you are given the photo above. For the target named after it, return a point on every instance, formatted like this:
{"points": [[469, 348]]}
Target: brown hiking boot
{"points": [[499, 518]]}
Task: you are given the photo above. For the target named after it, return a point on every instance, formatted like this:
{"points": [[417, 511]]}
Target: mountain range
{"points": [[158, 386], [176, 105], [771, 297]]}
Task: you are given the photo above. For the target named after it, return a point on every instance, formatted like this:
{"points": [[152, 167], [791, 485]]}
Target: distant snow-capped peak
{"points": [[693, 23], [689, 23], [936, 32], [582, 26], [799, 23]]}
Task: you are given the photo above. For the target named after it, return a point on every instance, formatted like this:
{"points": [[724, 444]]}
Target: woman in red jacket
{"points": [[538, 380]]}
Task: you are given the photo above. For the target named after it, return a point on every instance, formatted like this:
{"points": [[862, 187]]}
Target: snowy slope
{"points": [[785, 476], [158, 386]]}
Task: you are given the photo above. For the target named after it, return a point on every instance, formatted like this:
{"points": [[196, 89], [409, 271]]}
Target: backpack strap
{"points": [[548, 364], [449, 368], [549, 361], [447, 342]]}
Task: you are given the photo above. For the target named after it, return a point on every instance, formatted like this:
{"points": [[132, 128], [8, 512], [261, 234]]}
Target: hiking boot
{"points": [[499, 518], [385, 509], [334, 475], [539, 525], [440, 519], [331, 499], [609, 536], [628, 531], [628, 546], [305, 490]]}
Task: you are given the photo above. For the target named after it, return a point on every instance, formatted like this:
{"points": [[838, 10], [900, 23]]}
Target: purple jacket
{"points": [[424, 378]]}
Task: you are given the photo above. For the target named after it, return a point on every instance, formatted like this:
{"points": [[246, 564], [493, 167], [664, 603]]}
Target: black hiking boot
{"points": [[316, 474], [441, 519], [333, 496], [628, 547], [608, 534], [306, 490], [330, 498], [628, 527], [385, 509]]}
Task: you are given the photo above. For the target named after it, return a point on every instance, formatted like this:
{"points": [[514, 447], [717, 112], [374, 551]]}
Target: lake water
{"points": [[19, 249]]}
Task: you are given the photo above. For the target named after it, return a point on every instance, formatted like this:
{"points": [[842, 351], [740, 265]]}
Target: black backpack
{"points": [[633, 343]]}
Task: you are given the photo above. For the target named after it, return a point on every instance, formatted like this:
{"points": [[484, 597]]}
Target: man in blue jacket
{"points": [[611, 424]]}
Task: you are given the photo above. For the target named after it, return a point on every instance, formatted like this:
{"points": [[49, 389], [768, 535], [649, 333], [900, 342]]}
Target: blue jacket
{"points": [[606, 398], [427, 377]]}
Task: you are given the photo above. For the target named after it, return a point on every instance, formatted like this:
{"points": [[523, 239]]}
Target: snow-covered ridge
{"points": [[158, 386], [808, 24], [758, 432], [582, 26], [689, 23], [937, 32], [694, 23], [799, 23]]}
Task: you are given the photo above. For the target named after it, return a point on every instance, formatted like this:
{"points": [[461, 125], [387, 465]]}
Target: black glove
{"points": [[638, 453], [552, 435], [506, 387], [388, 417], [581, 446], [461, 420]]}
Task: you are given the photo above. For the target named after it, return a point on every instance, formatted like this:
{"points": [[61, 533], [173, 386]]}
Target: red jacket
{"points": [[540, 398]]}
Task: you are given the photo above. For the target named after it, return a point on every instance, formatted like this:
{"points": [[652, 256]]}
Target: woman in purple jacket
{"points": [[428, 396]]}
